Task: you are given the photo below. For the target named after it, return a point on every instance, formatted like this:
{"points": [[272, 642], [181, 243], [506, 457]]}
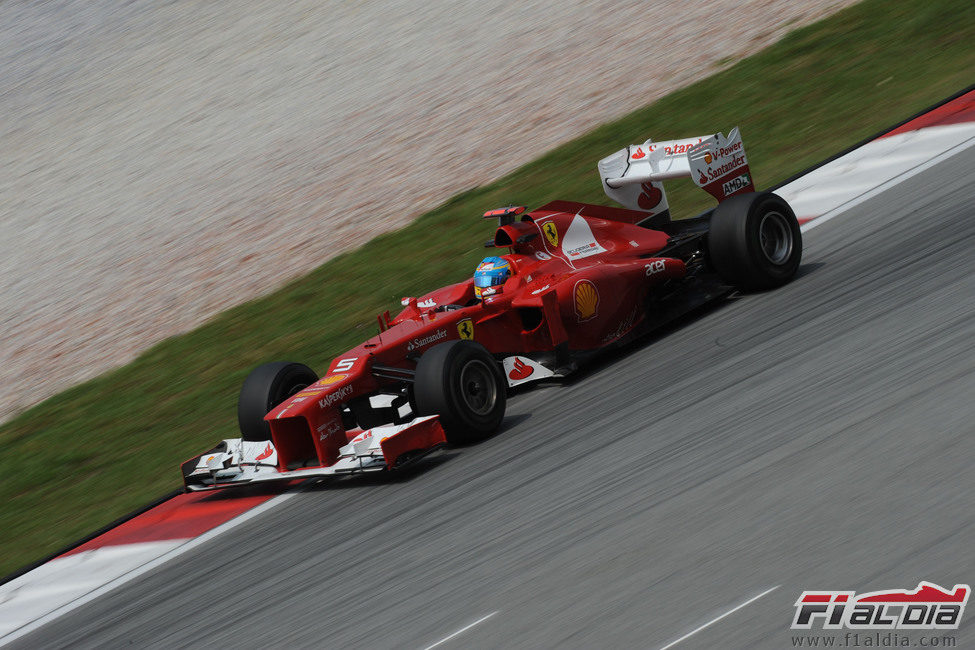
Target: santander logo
{"points": [[520, 371], [638, 154]]}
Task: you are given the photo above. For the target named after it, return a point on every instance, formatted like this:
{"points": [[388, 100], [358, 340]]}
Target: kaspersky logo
{"points": [[929, 607]]}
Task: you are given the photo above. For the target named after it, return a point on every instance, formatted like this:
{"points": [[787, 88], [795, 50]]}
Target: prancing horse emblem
{"points": [[466, 329], [551, 234]]}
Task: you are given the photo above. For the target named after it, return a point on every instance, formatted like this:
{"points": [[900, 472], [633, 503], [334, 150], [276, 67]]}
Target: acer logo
{"points": [[654, 267]]}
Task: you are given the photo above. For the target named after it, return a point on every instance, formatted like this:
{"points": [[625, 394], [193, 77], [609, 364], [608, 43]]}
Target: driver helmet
{"points": [[491, 273]]}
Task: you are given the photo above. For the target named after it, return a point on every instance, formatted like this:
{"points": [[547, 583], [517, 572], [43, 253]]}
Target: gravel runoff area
{"points": [[163, 161]]}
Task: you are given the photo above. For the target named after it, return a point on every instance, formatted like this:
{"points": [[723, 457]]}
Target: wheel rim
{"points": [[285, 394], [775, 237], [294, 388], [477, 387]]}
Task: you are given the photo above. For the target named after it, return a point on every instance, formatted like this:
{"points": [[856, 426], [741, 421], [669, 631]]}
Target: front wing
{"points": [[236, 461]]}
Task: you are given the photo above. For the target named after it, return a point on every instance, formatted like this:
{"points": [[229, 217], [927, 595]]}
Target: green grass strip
{"points": [[101, 449]]}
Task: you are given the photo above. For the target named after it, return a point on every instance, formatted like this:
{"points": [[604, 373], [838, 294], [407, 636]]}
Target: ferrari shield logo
{"points": [[466, 329], [551, 234]]}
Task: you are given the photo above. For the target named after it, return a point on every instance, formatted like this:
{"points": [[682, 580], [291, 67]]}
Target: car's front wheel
{"points": [[460, 382], [267, 386]]}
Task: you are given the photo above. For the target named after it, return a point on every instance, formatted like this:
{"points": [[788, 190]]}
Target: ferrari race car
{"points": [[576, 279]]}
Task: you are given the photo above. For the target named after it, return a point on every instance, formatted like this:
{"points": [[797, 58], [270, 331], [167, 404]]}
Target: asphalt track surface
{"points": [[816, 437]]}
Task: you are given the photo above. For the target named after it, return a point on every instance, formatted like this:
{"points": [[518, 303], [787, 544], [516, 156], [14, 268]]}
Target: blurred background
{"points": [[162, 161]]}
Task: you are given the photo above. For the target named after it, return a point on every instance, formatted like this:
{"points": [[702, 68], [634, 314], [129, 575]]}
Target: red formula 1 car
{"points": [[576, 279]]}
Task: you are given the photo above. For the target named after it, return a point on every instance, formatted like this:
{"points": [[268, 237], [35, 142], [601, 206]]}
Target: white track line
{"points": [[148, 566], [718, 618], [460, 631], [889, 183]]}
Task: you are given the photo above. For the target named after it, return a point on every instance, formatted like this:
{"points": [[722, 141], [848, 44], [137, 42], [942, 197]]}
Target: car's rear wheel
{"points": [[460, 382], [754, 241], [267, 386]]}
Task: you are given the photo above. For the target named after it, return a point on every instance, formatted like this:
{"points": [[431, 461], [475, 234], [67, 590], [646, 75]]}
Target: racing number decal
{"points": [[465, 329], [345, 365], [551, 234]]}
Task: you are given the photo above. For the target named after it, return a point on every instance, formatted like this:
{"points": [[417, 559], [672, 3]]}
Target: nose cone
{"points": [[326, 392]]}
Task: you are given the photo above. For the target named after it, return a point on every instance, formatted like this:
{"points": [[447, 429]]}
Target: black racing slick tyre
{"points": [[754, 241], [267, 386], [461, 382]]}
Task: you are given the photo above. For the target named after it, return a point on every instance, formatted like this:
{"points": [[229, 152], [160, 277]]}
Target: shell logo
{"points": [[708, 158], [332, 379], [551, 234], [586, 299]]}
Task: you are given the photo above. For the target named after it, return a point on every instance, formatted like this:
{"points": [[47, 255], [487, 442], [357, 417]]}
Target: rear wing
{"points": [[633, 177]]}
